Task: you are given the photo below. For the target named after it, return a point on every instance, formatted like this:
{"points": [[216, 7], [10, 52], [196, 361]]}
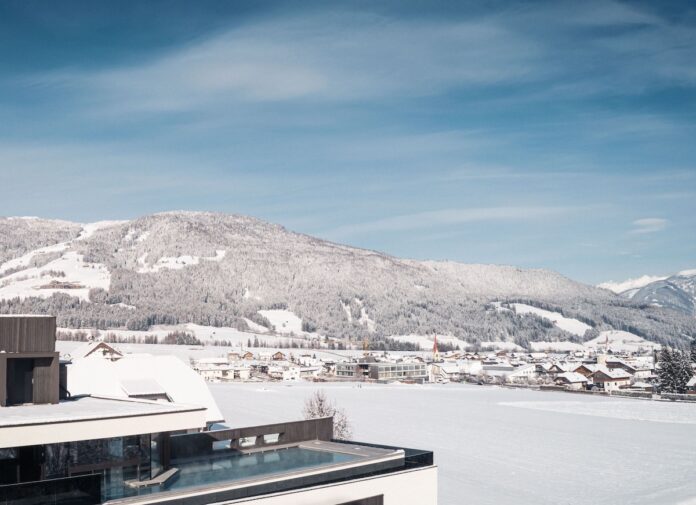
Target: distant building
{"points": [[611, 380], [522, 373], [96, 350], [383, 371], [446, 372], [571, 380]]}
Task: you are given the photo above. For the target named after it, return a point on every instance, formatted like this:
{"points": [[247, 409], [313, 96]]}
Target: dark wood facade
{"points": [[27, 333], [29, 364]]}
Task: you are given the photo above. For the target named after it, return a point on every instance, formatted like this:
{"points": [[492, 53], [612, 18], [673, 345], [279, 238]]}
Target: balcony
{"points": [[229, 464]]}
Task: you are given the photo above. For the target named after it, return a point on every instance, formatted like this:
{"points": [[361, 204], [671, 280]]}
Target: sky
{"points": [[557, 135]]}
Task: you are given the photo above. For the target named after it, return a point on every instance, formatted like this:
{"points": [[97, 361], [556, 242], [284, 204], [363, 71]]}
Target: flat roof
{"points": [[85, 409], [87, 418]]}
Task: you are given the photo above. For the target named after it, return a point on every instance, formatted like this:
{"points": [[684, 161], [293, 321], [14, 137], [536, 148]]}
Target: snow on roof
{"points": [[572, 377], [179, 381], [587, 366], [449, 368], [88, 349], [86, 408], [616, 373], [692, 381], [139, 387]]}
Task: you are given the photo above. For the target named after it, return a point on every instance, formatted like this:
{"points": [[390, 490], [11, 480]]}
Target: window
{"points": [[247, 441]]}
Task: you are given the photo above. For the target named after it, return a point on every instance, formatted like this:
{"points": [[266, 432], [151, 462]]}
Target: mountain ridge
{"points": [[223, 269]]}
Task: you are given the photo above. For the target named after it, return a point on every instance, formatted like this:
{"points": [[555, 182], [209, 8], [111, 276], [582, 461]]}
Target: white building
{"points": [[93, 450]]}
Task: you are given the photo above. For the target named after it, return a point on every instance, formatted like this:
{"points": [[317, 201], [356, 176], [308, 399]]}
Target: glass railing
{"points": [[81, 490]]}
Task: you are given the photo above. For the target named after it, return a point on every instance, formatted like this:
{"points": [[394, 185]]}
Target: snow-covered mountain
{"points": [[676, 292], [236, 271], [629, 287]]}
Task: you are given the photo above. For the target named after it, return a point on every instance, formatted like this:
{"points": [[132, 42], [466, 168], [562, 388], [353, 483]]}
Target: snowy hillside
{"points": [[217, 270], [630, 286]]}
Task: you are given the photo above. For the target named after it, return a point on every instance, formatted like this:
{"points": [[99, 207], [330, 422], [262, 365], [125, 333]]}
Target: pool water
{"points": [[230, 466], [248, 466]]}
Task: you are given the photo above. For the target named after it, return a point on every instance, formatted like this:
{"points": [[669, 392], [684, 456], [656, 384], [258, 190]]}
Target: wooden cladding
{"points": [[27, 333]]}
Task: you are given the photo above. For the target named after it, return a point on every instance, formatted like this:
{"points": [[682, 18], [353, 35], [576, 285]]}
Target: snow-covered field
{"points": [[565, 323], [284, 321], [504, 446], [67, 274], [621, 341]]}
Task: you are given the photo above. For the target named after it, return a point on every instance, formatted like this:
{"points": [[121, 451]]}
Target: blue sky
{"points": [[555, 135]]}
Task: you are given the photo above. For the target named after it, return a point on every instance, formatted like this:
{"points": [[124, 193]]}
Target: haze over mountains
{"points": [[234, 271]]}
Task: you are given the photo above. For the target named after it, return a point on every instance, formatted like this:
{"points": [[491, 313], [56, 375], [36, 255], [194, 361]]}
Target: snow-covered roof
{"points": [[106, 378], [692, 382], [85, 408], [572, 377], [449, 368], [91, 349], [139, 387], [616, 373], [88, 418]]}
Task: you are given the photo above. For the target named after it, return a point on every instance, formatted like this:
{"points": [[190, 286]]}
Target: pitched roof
{"points": [[616, 373], [572, 377]]}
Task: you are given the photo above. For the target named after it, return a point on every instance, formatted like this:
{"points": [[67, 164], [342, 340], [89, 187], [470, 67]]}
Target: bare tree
{"points": [[319, 405]]}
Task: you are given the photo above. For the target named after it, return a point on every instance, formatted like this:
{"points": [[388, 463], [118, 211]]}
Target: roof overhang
{"points": [[100, 418]]}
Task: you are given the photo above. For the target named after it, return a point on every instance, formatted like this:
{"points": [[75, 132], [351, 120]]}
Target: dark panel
{"points": [[27, 333], [83, 490], [3, 380], [290, 433], [372, 500], [46, 380], [20, 381]]}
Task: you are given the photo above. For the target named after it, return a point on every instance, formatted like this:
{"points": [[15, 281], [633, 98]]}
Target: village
{"points": [[598, 371]]}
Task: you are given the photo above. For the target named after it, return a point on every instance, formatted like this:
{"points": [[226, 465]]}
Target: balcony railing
{"points": [[80, 490]]}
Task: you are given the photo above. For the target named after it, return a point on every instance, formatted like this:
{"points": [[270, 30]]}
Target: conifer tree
{"points": [[675, 371], [666, 371]]}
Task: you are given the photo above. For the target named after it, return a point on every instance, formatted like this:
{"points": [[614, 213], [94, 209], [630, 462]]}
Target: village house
{"points": [[586, 370], [241, 355], [611, 380], [635, 370], [445, 372], [522, 374], [96, 350], [571, 380], [284, 372]]}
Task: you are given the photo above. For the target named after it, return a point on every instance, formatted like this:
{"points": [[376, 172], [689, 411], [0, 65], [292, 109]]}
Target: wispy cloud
{"points": [[449, 217], [648, 225], [330, 56]]}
